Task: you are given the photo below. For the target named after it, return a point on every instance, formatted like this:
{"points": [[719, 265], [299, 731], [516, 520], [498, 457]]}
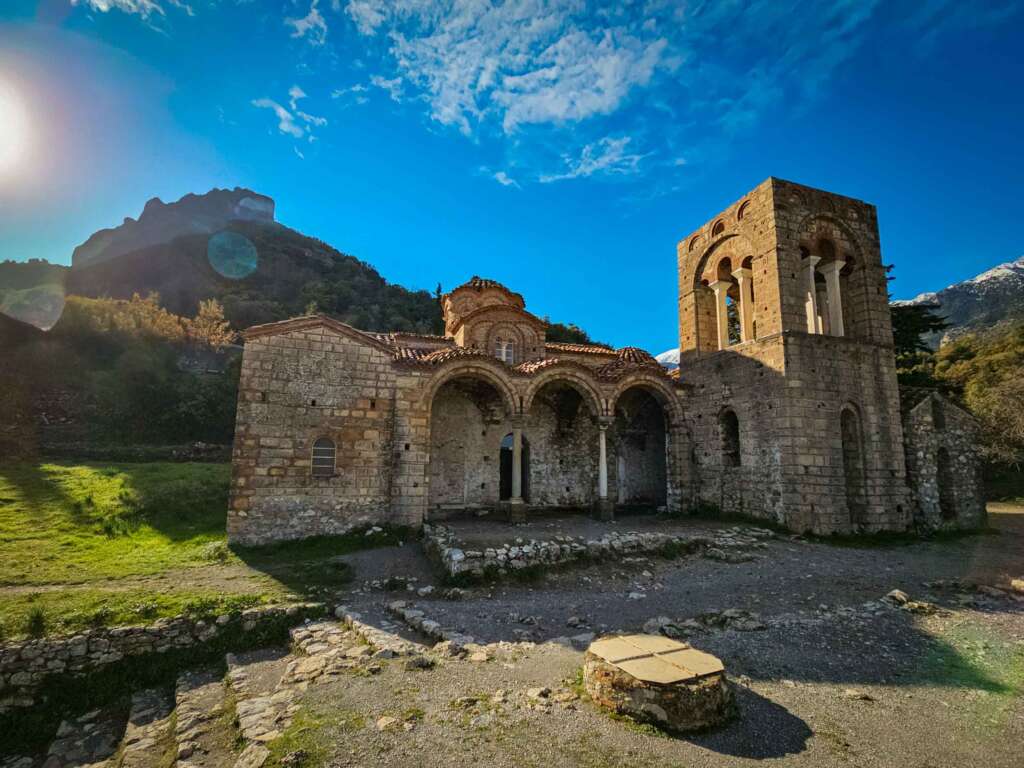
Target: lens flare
{"points": [[232, 255], [14, 128]]}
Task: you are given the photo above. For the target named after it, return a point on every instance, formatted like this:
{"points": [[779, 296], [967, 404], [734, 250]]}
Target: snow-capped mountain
{"points": [[669, 358], [991, 297]]}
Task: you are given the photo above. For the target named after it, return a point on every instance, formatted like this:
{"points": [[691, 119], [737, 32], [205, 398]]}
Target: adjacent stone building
{"points": [[785, 406]]}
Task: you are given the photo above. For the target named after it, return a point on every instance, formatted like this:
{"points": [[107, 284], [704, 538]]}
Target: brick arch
{"points": [[817, 225], [512, 333], [578, 376], [698, 329], [494, 373]]}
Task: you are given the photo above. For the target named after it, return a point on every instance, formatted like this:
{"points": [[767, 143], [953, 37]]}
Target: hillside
{"points": [[162, 222]]}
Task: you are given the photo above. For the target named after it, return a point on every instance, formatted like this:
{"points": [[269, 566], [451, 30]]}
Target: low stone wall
{"points": [[26, 666], [442, 547]]}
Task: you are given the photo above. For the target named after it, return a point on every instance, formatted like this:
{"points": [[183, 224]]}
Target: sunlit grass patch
{"points": [[71, 523], [59, 612], [974, 657], [309, 740]]}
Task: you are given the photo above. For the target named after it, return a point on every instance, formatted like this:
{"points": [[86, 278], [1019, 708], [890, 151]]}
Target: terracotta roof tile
{"points": [[582, 349]]}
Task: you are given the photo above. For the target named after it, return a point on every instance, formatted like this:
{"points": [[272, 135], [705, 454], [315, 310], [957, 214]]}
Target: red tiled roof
{"points": [[583, 349]]}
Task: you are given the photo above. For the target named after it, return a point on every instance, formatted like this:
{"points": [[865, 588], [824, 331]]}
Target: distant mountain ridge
{"points": [[162, 222], [994, 296]]}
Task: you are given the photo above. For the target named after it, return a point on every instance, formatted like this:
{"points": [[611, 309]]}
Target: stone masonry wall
{"points": [[930, 426], [296, 387], [26, 666]]}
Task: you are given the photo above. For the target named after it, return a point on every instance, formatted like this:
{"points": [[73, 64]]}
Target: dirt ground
{"points": [[833, 677]]}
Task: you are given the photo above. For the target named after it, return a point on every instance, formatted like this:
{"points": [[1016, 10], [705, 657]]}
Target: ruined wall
{"points": [[638, 453], [296, 387], [947, 489]]}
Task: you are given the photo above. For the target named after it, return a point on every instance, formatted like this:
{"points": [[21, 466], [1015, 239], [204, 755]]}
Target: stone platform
{"points": [[656, 679]]}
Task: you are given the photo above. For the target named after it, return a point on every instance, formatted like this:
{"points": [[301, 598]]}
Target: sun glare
{"points": [[13, 128]]}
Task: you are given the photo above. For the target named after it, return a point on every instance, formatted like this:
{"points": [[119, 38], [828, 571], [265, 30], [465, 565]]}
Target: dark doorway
{"points": [[853, 467], [505, 484]]}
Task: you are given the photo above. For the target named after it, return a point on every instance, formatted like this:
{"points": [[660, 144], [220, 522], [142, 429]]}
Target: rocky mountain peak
{"points": [[162, 222]]}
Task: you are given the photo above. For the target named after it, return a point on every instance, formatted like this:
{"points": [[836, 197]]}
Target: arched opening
{"points": [[729, 429], [468, 419], [564, 437], [853, 466], [938, 415], [944, 480], [640, 446], [505, 350], [506, 461], [323, 461]]}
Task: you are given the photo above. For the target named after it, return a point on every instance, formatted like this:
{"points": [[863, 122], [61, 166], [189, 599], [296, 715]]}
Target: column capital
{"points": [[742, 273], [832, 267], [811, 261], [720, 285]]}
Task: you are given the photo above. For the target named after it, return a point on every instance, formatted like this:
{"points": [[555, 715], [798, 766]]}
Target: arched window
{"points": [[853, 466], [729, 425], [323, 459], [505, 350]]}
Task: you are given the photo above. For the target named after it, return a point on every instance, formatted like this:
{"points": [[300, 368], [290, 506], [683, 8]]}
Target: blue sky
{"points": [[561, 147]]}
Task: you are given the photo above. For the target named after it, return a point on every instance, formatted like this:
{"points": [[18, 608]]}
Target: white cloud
{"points": [[285, 119], [292, 120], [505, 180], [142, 8], [392, 86], [525, 62], [606, 156], [311, 26]]}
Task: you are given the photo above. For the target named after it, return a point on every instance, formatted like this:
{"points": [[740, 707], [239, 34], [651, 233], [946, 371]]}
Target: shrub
{"points": [[35, 622]]}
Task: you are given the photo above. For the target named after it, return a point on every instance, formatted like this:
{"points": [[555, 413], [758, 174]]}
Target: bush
{"points": [[35, 622]]}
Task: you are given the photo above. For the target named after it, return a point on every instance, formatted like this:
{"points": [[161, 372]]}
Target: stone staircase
{"points": [[217, 719]]}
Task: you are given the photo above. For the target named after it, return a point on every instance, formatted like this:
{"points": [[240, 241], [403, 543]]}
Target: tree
{"points": [[915, 360], [209, 326]]}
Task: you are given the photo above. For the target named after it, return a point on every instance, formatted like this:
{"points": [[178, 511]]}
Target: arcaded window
{"points": [[324, 457], [505, 350], [729, 425]]}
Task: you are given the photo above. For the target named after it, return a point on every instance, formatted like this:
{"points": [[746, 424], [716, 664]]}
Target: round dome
{"points": [[635, 355]]}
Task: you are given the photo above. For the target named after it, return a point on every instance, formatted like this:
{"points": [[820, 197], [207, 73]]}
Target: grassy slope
{"points": [[93, 544]]}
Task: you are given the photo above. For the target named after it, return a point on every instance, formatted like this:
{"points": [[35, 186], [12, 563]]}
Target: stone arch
{"points": [[509, 332], [826, 236], [699, 318], [579, 377], [729, 434], [656, 386], [479, 367]]}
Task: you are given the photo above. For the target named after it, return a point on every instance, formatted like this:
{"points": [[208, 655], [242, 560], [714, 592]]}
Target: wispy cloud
{"points": [[523, 63], [312, 26], [291, 120], [392, 86], [605, 156], [505, 180]]}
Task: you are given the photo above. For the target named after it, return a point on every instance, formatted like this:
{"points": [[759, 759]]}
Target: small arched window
{"points": [[323, 459], [718, 228], [505, 350], [742, 210], [729, 425]]}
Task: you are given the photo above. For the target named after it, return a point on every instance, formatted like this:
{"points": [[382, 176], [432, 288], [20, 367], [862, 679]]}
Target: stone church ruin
{"points": [[784, 407]]}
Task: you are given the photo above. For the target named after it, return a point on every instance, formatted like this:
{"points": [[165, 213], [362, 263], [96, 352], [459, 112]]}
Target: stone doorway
{"points": [[505, 467], [853, 467], [639, 437]]}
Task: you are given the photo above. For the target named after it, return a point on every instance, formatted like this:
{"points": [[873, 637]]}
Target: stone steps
{"points": [[88, 741], [203, 731], [149, 736], [263, 708]]}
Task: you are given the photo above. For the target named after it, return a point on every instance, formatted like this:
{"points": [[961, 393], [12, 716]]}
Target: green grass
{"points": [[87, 544], [68, 523], [972, 656], [312, 736]]}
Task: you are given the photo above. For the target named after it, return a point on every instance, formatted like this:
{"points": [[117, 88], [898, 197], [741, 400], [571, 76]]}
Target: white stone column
{"points": [[835, 297], [721, 288], [517, 465], [745, 279], [811, 295], [602, 465]]}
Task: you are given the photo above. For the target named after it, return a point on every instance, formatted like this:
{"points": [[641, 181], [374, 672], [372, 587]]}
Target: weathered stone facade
{"points": [[942, 462], [785, 406]]}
